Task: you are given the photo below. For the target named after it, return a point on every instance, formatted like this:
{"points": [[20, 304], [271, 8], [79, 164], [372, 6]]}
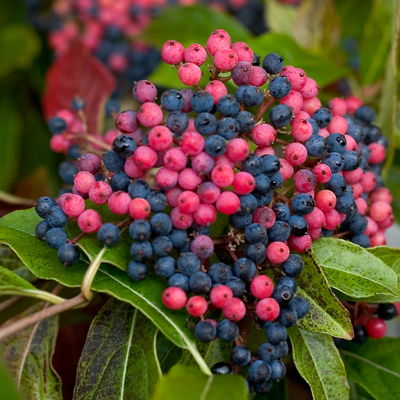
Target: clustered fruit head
{"points": [[175, 167]]}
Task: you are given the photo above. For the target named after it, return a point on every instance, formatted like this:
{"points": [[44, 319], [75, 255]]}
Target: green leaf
{"points": [[17, 230], [354, 270], [389, 255], [323, 70], [28, 356], [11, 280], [375, 366], [326, 314], [7, 385], [19, 44], [280, 17], [9, 259], [197, 23], [318, 362], [168, 354], [186, 383], [118, 360]]}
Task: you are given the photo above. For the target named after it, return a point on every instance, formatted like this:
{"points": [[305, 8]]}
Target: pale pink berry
{"points": [[208, 192], [225, 59], [294, 100], [217, 89], [144, 91], [380, 210], [145, 157], [316, 219], [309, 90], [372, 227], [332, 220], [267, 309], [235, 310], [315, 233], [263, 135], [243, 183], [205, 215], [338, 125], [300, 244], [297, 76], [196, 306], [323, 173], [296, 153], [83, 181], [172, 196], [286, 170], [220, 296], [192, 143], [222, 175], [338, 106], [139, 208], [132, 170], [261, 287], [174, 298], [127, 121], [323, 132], [188, 202], [110, 136], [160, 138], [378, 239], [368, 181], [59, 144], [259, 78], [325, 200], [150, 115], [386, 223], [218, 40], [238, 149], [352, 104], [301, 129], [181, 220], [172, 52], [89, 221], [195, 54], [377, 153], [118, 203], [353, 177], [351, 144], [189, 74], [264, 216], [381, 194], [228, 203], [224, 160], [166, 178], [357, 191], [243, 51], [202, 164], [278, 252], [305, 181], [175, 159], [263, 151], [73, 205], [311, 105], [99, 192], [188, 179]]}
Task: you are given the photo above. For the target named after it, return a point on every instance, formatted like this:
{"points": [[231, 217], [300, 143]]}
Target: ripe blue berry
{"points": [[322, 116], [240, 355], [273, 63], [56, 217], [200, 283], [67, 171], [68, 254], [205, 331], [161, 224], [237, 286], [202, 101], [140, 230], [179, 280], [298, 225], [259, 371], [244, 269], [293, 266], [279, 87], [162, 246], [228, 105], [137, 271], [172, 100], [228, 128], [43, 204], [113, 162], [108, 235], [56, 237], [165, 267], [300, 305], [205, 123], [188, 263], [276, 333], [303, 204], [124, 146], [220, 272], [280, 115], [267, 352], [282, 212], [120, 182], [215, 145], [177, 122], [57, 125], [227, 330], [141, 251]]}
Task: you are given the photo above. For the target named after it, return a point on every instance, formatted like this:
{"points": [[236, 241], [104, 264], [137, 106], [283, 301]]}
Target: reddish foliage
{"points": [[77, 73]]}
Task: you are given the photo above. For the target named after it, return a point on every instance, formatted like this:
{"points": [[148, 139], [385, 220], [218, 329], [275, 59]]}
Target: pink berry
{"points": [[263, 151], [83, 181], [315, 233], [172, 196], [118, 203], [224, 160], [311, 105], [172, 52], [89, 162], [316, 219], [160, 138], [361, 205], [228, 203], [218, 40], [351, 144], [188, 179], [132, 170], [263, 135], [208, 192], [338, 106], [332, 220], [127, 121], [174, 298], [181, 220], [278, 252], [243, 51], [192, 143], [175, 159], [286, 170], [294, 100], [309, 90], [189, 74], [242, 74], [196, 306], [381, 194], [267, 309], [225, 59], [205, 215], [357, 190], [323, 132], [305, 181], [297, 76], [202, 164], [217, 89], [379, 239], [323, 173], [166, 178], [301, 129], [145, 157], [353, 177], [376, 328], [238, 149], [377, 153], [220, 296], [73, 205], [264, 216], [188, 202], [325, 200], [372, 227], [99, 192], [296, 154], [300, 244], [139, 208], [202, 246], [150, 115], [222, 175], [110, 136], [301, 115], [59, 144], [352, 104], [261, 287], [235, 310], [89, 221], [380, 211], [338, 125], [386, 223], [243, 183], [259, 78], [368, 182], [195, 54], [144, 91]]}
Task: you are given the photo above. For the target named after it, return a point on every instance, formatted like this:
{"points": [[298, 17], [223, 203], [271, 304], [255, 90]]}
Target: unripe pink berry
{"points": [[89, 221], [166, 178], [160, 138], [372, 227], [99, 192], [380, 210], [377, 153], [386, 223], [243, 183], [300, 244], [323, 173], [357, 191], [338, 125], [263, 151], [305, 181], [235, 310], [361, 205], [150, 115], [238, 149], [332, 220], [127, 121], [263, 135], [172, 52], [144, 91], [195, 54], [220, 296], [202, 164], [192, 143], [189, 74], [132, 170], [297, 76], [368, 182], [264, 216], [118, 203], [59, 144], [243, 51], [352, 104], [172, 196], [196, 306], [353, 177], [222, 175], [324, 133], [174, 298], [73, 205], [224, 160], [378, 239], [181, 220], [309, 90], [294, 100], [205, 215], [316, 219], [381, 194], [225, 59], [311, 105], [175, 159], [376, 328], [296, 154], [145, 157], [89, 162], [188, 179], [325, 200], [301, 129], [139, 208], [259, 78], [315, 233], [228, 203], [202, 246], [208, 192], [217, 89], [286, 170], [219, 39], [267, 309], [188, 202], [261, 287], [351, 144], [110, 136], [83, 181], [338, 106], [278, 252]]}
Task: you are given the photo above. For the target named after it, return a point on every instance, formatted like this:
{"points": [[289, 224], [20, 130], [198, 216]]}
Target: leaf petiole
{"points": [[90, 274], [37, 294]]}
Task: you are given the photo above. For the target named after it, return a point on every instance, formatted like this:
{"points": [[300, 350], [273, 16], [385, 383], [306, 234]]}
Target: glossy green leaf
{"points": [[168, 354], [28, 356], [323, 70], [8, 259], [119, 359], [354, 270], [7, 385], [375, 366], [389, 255], [318, 362], [326, 313], [187, 383], [17, 230], [197, 23], [10, 279]]}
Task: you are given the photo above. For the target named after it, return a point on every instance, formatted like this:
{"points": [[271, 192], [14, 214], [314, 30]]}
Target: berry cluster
{"points": [[206, 153]]}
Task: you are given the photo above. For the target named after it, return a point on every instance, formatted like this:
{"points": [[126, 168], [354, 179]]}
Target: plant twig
{"points": [[9, 302], [37, 294]]}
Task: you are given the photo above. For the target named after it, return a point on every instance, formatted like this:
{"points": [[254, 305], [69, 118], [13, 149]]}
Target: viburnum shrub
{"points": [[219, 193]]}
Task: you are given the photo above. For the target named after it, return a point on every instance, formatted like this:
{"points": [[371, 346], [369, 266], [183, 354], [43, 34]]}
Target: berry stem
{"points": [[74, 240], [9, 302], [82, 115], [90, 274], [37, 294], [267, 102]]}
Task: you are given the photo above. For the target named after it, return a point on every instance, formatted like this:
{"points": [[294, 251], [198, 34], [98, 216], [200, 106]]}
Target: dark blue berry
{"points": [[365, 114], [293, 266], [355, 132], [162, 246], [73, 152], [300, 305], [271, 164], [262, 184], [161, 224], [298, 225], [178, 237], [246, 121], [140, 230], [57, 125], [157, 201], [56, 237], [205, 331], [255, 233], [279, 87], [78, 103], [68, 254], [326, 232], [228, 105], [352, 160], [316, 146], [172, 100], [303, 204], [227, 330], [288, 317], [278, 370], [165, 267], [251, 96], [228, 128], [282, 212], [253, 164], [200, 283], [240, 221], [124, 145], [276, 333], [177, 122], [56, 217], [179, 280], [314, 126], [201, 101], [137, 271], [259, 371], [248, 204], [112, 107], [287, 281], [188, 263], [215, 145], [67, 171], [220, 272], [120, 182], [267, 352], [345, 204], [141, 251], [275, 181], [138, 189], [362, 240], [282, 349], [108, 235], [273, 63], [41, 229], [244, 269], [113, 162], [280, 115], [283, 294], [359, 224], [263, 388], [237, 286], [322, 116], [336, 143], [337, 185], [335, 161], [256, 252], [279, 232], [240, 355], [43, 204]]}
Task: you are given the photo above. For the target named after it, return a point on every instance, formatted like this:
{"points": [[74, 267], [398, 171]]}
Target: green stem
{"points": [[90, 274], [37, 294], [199, 359]]}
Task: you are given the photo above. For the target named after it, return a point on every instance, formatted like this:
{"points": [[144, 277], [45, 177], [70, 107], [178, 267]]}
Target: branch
{"points": [[9, 302]]}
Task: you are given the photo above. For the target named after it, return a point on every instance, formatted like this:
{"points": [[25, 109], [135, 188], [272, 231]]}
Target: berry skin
{"points": [[89, 221], [238, 150], [220, 272], [127, 121], [263, 135], [278, 252], [202, 101], [44, 204], [174, 298], [73, 205], [195, 54], [175, 159], [57, 125], [228, 203], [242, 74], [228, 105], [267, 309], [217, 89], [179, 280], [108, 235], [240, 355], [205, 215], [261, 287], [227, 330], [150, 115], [188, 202], [202, 164], [189, 74], [380, 211], [310, 89], [160, 138], [113, 162], [172, 52], [279, 87], [188, 263], [387, 311], [188, 179], [235, 310], [293, 266], [144, 91], [325, 200], [305, 181], [56, 237], [299, 244], [41, 229], [273, 63], [268, 352], [83, 181], [259, 371], [243, 183], [301, 307], [56, 217], [297, 76], [376, 328], [244, 269], [68, 254], [118, 203], [280, 116], [296, 153], [220, 296], [137, 271], [222, 176], [196, 306], [205, 331], [225, 59]]}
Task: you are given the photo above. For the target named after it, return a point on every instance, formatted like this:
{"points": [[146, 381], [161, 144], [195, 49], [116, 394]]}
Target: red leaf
{"points": [[78, 73]]}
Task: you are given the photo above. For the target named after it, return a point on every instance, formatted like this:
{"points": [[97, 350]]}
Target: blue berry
{"points": [[265, 199], [200, 283], [335, 161], [280, 115], [228, 105], [140, 230], [228, 128], [288, 317], [314, 126], [362, 240], [137, 271], [259, 371], [205, 123], [215, 145], [67, 171], [282, 212], [355, 132], [73, 152], [57, 125], [352, 160], [202, 101], [41, 229], [141, 251], [276, 333], [279, 232], [124, 145], [108, 235], [278, 370], [267, 352], [273, 63], [337, 185], [326, 232], [240, 355], [227, 330], [240, 221], [113, 162], [43, 204], [263, 388], [248, 204], [276, 181], [68, 254], [256, 252], [162, 246], [251, 96], [316, 146], [262, 184], [56, 217], [165, 267], [172, 100], [300, 305], [287, 281], [271, 164], [56, 237], [365, 114], [157, 201], [336, 143], [205, 331], [293, 266], [322, 116], [220, 272], [188, 263], [186, 246], [246, 121], [179, 280], [253, 164], [78, 103], [345, 204], [244, 269], [139, 189], [255, 233], [303, 204], [161, 224], [237, 286], [120, 182], [359, 224], [279, 87], [112, 107], [283, 294], [256, 60], [177, 122], [178, 237], [282, 348], [298, 225]]}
